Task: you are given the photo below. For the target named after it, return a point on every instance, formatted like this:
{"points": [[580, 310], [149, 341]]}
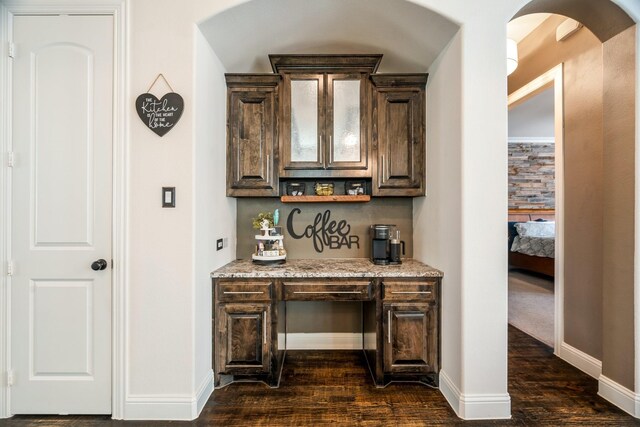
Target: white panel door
{"points": [[62, 102]]}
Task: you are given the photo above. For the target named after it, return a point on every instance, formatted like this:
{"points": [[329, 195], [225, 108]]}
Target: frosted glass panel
{"points": [[346, 120], [304, 120]]}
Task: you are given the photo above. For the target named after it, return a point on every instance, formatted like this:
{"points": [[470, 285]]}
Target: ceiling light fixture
{"points": [[512, 56]]}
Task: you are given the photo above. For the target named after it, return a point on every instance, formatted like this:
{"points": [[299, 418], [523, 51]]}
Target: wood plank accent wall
{"points": [[531, 176]]}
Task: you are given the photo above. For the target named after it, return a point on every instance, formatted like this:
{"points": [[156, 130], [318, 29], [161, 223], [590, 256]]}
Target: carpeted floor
{"points": [[531, 305]]}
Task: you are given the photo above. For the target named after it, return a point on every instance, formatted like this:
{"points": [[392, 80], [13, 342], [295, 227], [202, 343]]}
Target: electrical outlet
{"points": [[219, 244]]}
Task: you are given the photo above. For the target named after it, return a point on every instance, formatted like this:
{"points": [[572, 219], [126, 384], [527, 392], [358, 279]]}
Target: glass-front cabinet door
{"points": [[324, 129], [304, 105], [346, 125]]}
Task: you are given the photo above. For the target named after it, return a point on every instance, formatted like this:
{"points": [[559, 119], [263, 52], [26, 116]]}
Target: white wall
{"points": [[437, 216], [477, 169], [484, 215], [4, 291], [160, 357], [215, 214], [172, 251]]}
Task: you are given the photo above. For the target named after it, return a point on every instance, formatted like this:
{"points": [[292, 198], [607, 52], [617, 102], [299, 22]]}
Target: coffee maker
{"points": [[385, 244]]}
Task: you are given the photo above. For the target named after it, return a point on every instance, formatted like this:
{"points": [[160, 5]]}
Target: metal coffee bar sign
{"points": [[323, 231]]}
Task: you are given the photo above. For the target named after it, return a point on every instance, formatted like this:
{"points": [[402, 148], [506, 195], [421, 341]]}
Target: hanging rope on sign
{"points": [[163, 78]]}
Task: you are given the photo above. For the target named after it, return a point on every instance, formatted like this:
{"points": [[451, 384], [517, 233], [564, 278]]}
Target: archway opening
{"points": [[594, 284]]}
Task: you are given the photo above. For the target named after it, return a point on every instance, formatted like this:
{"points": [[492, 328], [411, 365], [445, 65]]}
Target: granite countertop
{"points": [[325, 267]]}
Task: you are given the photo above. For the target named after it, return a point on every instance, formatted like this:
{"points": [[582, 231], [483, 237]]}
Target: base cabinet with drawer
{"points": [[245, 342], [244, 338], [409, 344], [411, 329], [400, 325], [405, 321]]}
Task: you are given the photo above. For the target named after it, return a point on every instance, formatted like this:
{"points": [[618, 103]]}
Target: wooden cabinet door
{"points": [[347, 122], [399, 134], [410, 338], [243, 337], [303, 122], [252, 135]]}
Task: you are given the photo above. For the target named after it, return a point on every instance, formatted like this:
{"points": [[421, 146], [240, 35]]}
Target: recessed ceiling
{"points": [[521, 27], [409, 36]]}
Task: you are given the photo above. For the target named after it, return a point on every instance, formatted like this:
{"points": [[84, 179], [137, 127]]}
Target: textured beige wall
{"points": [[619, 200], [583, 178]]}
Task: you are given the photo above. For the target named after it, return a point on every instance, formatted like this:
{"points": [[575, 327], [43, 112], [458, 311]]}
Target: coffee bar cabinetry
{"points": [[252, 135], [325, 114], [409, 314], [245, 340], [399, 134], [325, 117], [400, 316]]}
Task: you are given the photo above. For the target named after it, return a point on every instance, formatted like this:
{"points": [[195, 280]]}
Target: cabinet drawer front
{"points": [[328, 291], [244, 291], [424, 290]]}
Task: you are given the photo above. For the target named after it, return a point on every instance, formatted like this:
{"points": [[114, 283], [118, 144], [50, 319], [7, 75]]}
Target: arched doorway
{"points": [[599, 192]]}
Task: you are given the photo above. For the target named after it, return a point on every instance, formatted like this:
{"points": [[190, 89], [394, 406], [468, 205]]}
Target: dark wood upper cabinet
{"points": [[325, 115], [399, 134], [252, 134]]}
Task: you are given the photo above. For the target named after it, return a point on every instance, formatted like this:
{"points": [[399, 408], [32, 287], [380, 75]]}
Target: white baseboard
{"points": [[619, 395], [204, 392], [163, 407], [324, 341], [475, 406], [581, 360], [450, 391]]}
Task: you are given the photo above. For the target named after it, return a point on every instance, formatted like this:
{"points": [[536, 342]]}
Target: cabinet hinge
{"points": [[12, 50], [9, 378], [9, 268], [11, 159]]}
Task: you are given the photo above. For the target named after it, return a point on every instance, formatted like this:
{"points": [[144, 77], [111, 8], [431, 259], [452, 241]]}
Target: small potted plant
{"points": [[263, 222]]}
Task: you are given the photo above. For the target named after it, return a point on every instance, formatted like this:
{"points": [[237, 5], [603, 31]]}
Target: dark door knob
{"points": [[99, 265]]}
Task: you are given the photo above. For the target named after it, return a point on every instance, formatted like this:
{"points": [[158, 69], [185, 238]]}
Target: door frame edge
{"points": [[553, 77], [120, 184], [4, 282]]}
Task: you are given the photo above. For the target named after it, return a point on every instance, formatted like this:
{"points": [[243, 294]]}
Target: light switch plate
{"points": [[219, 244], [168, 197]]}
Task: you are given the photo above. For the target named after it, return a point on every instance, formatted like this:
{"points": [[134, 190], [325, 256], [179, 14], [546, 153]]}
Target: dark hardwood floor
{"points": [[334, 387]]}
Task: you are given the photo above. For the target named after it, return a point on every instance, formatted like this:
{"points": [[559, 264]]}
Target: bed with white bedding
{"points": [[532, 243]]}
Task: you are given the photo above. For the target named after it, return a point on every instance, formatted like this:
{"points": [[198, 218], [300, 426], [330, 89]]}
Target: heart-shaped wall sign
{"points": [[160, 115]]}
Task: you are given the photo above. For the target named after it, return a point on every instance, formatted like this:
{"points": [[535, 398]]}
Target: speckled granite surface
{"points": [[328, 267]]}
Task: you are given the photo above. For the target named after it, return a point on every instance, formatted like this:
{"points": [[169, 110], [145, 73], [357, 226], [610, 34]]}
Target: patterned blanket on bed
{"points": [[536, 246]]}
